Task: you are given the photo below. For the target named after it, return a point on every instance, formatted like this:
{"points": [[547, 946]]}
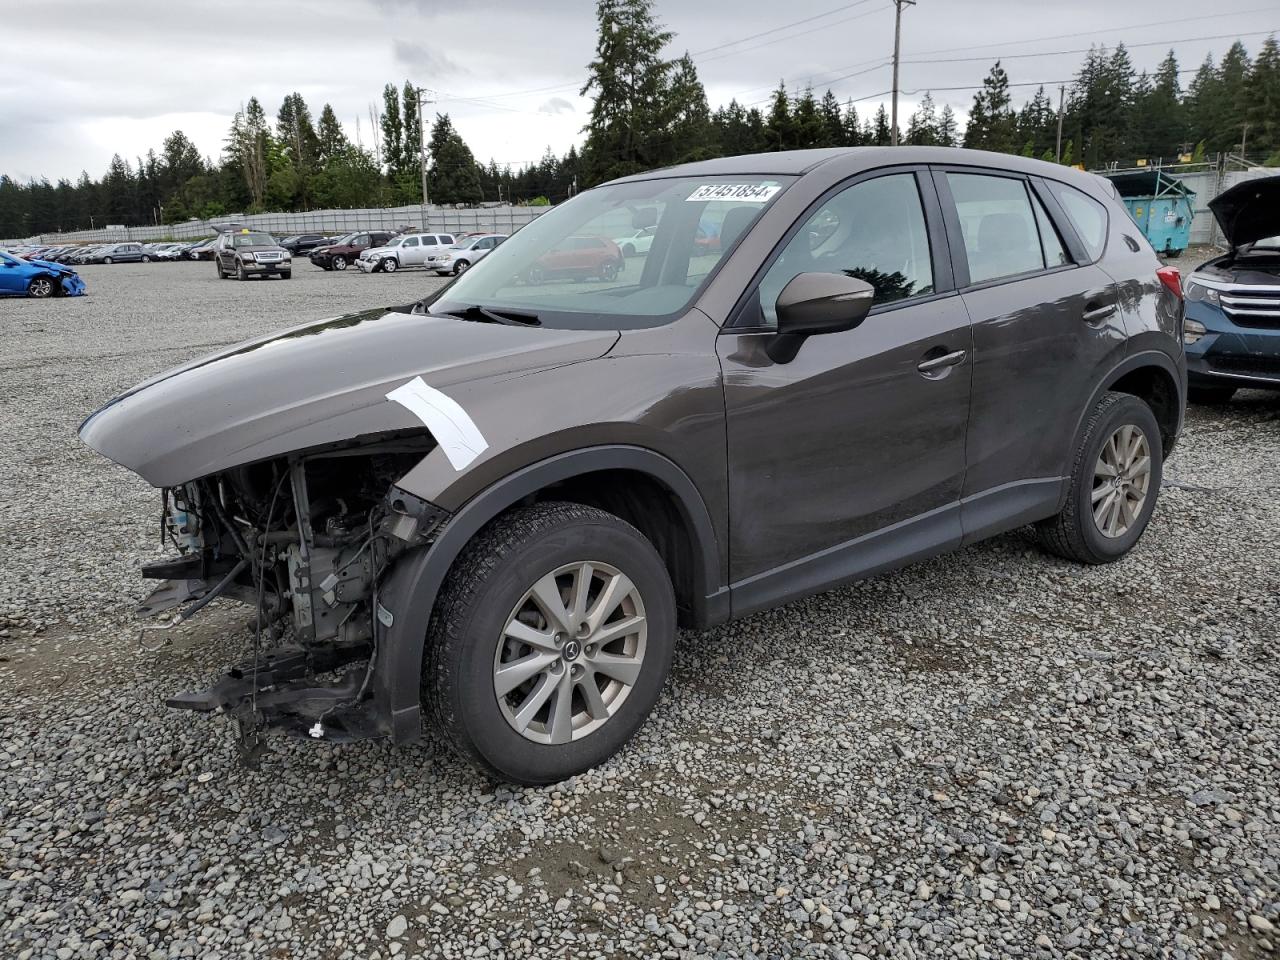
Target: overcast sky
{"points": [[81, 80]]}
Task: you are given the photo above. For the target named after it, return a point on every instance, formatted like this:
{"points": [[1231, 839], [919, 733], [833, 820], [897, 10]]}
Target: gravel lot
{"points": [[992, 754]]}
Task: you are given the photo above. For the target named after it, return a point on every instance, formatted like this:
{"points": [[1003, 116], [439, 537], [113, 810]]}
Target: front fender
{"points": [[407, 597]]}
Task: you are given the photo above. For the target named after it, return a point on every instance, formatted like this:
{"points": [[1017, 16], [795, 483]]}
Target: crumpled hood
{"points": [[50, 265], [312, 385], [1249, 211]]}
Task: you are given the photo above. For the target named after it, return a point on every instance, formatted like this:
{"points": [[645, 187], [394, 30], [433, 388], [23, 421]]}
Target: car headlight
{"points": [[1192, 331], [1198, 291]]}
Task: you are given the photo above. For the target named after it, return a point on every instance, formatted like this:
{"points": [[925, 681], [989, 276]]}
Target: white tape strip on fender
{"points": [[453, 429]]}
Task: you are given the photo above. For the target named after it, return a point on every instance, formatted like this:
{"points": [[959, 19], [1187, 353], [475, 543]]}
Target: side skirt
{"points": [[957, 524]]}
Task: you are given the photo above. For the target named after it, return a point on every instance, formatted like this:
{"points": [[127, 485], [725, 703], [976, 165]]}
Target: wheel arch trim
{"points": [[1147, 358], [408, 597]]}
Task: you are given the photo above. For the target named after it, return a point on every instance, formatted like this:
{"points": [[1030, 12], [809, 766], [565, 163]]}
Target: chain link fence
{"points": [[502, 218]]}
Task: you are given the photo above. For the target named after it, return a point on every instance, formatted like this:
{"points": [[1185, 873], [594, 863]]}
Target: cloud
{"points": [[421, 59], [556, 105]]}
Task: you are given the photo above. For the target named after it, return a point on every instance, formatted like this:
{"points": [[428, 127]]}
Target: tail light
{"points": [[1172, 279]]}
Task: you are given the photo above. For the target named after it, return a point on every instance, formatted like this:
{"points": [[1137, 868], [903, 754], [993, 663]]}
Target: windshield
{"points": [[465, 244], [566, 268], [394, 242], [253, 240], [344, 239]]}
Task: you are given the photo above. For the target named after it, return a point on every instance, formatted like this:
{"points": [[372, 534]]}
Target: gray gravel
{"points": [[992, 754]]}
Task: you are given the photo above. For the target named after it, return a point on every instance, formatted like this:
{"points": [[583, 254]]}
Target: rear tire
{"points": [[1077, 532], [286, 275], [145, 258], [1210, 396], [545, 550], [106, 259]]}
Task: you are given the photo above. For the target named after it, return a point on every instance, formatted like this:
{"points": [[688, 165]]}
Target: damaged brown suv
{"points": [[492, 508]]}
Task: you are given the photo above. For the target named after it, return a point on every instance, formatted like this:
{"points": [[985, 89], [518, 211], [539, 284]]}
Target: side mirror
{"points": [[817, 303]]}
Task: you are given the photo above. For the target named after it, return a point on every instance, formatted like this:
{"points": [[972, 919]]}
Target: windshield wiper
{"points": [[510, 318]]}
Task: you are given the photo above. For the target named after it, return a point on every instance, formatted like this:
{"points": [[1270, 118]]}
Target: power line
{"points": [[791, 36], [1086, 33], [1054, 53], [796, 23]]}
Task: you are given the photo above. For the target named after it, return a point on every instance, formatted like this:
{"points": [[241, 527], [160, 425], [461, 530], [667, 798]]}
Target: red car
{"points": [[578, 258]]}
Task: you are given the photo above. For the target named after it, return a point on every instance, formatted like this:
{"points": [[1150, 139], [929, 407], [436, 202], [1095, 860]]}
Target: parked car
{"points": [[120, 253], [344, 250], [463, 255], [246, 253], [578, 258], [38, 279], [1232, 330], [514, 494], [407, 250], [163, 251], [82, 254], [305, 242], [202, 250], [635, 242]]}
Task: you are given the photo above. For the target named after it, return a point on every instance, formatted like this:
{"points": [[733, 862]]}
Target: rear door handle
{"points": [[1092, 313], [934, 364]]}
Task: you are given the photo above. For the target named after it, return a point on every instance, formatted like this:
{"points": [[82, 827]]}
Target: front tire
{"points": [[145, 258], [1115, 481], [550, 642], [390, 265], [241, 273], [339, 263], [462, 266], [41, 288], [106, 259]]}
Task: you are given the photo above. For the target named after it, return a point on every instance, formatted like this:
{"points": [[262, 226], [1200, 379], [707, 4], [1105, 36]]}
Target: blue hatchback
{"points": [[37, 278], [1232, 327]]}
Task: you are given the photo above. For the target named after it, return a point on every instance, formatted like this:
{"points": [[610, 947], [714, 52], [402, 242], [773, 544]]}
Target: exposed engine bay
{"points": [[304, 541]]}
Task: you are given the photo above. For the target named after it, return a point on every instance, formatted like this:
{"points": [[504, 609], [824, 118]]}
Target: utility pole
{"points": [[422, 152], [1057, 152], [897, 44], [1244, 139]]}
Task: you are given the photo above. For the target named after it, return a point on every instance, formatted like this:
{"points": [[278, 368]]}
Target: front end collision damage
{"points": [[305, 542]]}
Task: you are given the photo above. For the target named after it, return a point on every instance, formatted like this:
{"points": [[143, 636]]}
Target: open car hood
{"points": [[1249, 211]]}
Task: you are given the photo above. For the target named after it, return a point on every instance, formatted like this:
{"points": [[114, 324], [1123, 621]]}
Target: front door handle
{"points": [[1094, 313], [934, 364]]}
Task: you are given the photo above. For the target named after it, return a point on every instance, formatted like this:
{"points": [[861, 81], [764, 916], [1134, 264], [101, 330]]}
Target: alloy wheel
{"points": [[41, 287], [1121, 481], [571, 652]]}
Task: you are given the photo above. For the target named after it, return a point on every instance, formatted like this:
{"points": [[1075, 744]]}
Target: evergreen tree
{"points": [[832, 121], [922, 128], [1263, 110], [948, 129], [779, 130], [992, 122], [454, 175], [689, 118], [629, 81], [410, 169], [331, 140], [1229, 119], [807, 126], [392, 132], [880, 135], [852, 131]]}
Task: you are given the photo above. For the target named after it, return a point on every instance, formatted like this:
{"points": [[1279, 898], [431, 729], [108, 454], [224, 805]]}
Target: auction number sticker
{"points": [[741, 192]]}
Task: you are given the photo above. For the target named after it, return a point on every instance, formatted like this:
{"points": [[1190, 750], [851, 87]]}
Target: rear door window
{"points": [[1087, 216], [998, 224]]}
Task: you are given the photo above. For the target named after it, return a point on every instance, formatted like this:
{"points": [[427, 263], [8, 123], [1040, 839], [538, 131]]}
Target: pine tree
{"points": [[922, 128], [331, 140], [807, 122], [992, 122], [948, 129], [1229, 119], [852, 130], [454, 176], [881, 136], [1263, 111], [629, 81], [410, 172], [832, 122], [688, 123], [779, 127]]}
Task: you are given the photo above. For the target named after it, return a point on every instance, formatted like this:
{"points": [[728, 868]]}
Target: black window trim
{"points": [[951, 214], [944, 285], [1044, 188]]}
